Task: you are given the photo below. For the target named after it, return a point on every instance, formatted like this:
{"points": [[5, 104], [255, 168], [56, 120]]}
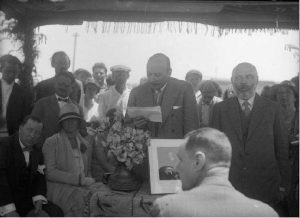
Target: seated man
{"points": [[22, 179], [204, 161]]}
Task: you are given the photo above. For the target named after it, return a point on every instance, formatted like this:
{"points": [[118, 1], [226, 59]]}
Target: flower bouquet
{"points": [[127, 146]]}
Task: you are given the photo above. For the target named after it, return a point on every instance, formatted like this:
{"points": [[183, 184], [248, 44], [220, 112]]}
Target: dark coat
{"points": [[179, 108], [259, 163], [47, 109], [44, 88], [19, 105], [12, 165]]}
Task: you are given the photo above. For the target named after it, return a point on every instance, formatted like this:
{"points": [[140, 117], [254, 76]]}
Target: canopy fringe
{"points": [[173, 27]]}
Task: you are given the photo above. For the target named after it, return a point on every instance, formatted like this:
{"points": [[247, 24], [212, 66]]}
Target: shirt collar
{"points": [[250, 100], [161, 89], [57, 96]]}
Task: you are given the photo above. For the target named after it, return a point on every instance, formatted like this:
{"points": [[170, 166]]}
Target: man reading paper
{"points": [[175, 97]]}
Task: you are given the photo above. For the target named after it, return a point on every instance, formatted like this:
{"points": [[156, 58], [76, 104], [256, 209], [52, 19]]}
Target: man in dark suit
{"points": [[254, 125], [60, 62], [47, 109], [15, 101], [22, 179], [204, 161], [175, 97]]}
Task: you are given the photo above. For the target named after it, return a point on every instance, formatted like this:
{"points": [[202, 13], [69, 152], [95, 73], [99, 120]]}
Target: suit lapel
{"points": [[234, 114], [169, 96], [12, 98], [257, 115]]}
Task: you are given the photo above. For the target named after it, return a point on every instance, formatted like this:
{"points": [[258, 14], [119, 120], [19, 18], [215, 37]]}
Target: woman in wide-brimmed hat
{"points": [[67, 158]]}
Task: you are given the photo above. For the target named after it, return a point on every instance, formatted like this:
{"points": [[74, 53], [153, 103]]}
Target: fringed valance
{"points": [[176, 27]]}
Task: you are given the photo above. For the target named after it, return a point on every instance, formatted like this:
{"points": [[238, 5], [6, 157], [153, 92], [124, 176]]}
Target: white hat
{"points": [[120, 68]]}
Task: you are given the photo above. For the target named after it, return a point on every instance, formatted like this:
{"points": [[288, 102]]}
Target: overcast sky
{"points": [[214, 56]]}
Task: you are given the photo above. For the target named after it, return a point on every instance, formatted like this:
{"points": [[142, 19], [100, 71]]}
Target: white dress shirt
{"points": [[11, 207], [113, 99], [62, 103], [6, 90], [250, 100]]}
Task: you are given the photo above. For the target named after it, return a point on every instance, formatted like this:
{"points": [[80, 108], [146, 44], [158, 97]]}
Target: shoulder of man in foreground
{"points": [[210, 202]]}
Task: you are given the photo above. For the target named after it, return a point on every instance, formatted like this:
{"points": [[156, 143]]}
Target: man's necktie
{"points": [[247, 110], [63, 99], [157, 97]]}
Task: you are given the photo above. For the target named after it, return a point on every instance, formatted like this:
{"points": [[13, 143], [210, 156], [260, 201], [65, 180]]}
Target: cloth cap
{"points": [[120, 68], [69, 110]]}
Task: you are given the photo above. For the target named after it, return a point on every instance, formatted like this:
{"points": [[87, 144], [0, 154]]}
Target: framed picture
{"points": [[162, 162]]}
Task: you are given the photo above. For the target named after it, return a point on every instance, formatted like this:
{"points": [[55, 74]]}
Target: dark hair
{"points": [[80, 71], [99, 65], [30, 117], [9, 59], [58, 53], [161, 56], [274, 90], [66, 74], [212, 142], [194, 72]]}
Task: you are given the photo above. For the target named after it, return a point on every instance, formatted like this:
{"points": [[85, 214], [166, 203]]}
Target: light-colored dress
{"points": [[63, 166]]}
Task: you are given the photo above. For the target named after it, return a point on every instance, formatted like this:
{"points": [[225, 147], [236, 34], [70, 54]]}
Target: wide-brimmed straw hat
{"points": [[69, 111]]}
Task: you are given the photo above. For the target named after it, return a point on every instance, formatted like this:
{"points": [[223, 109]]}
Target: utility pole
{"points": [[76, 35]]}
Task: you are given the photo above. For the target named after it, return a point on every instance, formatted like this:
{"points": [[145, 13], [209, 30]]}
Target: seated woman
{"points": [[67, 159]]}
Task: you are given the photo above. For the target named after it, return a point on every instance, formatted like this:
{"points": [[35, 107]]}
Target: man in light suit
{"points": [[22, 179], [47, 109], [176, 98], [15, 101], [204, 161], [254, 125]]}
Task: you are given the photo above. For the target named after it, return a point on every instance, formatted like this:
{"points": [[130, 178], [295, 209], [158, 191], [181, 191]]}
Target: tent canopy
{"points": [[224, 14]]}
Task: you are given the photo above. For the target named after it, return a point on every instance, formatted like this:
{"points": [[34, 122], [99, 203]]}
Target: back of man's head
{"points": [[213, 143], [13, 60]]}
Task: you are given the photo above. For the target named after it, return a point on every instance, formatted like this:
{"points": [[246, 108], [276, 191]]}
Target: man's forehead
{"points": [[243, 69]]}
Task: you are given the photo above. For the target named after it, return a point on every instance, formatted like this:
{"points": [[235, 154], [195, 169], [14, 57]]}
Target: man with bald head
{"points": [[254, 125], [175, 97], [204, 161]]}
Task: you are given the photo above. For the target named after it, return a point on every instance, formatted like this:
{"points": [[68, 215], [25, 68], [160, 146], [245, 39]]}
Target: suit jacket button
{"points": [[173, 130]]}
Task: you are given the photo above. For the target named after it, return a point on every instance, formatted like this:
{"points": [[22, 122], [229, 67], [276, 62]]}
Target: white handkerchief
{"points": [[176, 107], [41, 168]]}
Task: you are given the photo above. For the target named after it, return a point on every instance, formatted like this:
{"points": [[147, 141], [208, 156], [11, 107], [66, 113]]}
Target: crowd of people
{"points": [[241, 148]]}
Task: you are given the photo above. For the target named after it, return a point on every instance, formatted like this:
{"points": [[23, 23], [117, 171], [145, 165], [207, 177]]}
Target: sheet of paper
{"points": [[151, 113]]}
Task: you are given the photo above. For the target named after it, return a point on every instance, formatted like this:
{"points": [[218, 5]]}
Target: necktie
{"points": [[63, 99], [156, 97], [247, 110]]}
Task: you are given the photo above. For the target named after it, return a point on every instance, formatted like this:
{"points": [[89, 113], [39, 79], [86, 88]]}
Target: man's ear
{"points": [[199, 160], [170, 72]]}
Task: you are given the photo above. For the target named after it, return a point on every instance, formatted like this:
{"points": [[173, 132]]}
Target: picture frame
{"points": [[163, 160]]}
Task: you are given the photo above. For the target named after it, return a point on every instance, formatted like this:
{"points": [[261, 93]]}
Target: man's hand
{"points": [[12, 214], [140, 122], [38, 206]]}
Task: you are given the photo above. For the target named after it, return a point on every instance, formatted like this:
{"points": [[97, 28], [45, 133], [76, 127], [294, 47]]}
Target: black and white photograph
{"points": [[139, 108]]}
